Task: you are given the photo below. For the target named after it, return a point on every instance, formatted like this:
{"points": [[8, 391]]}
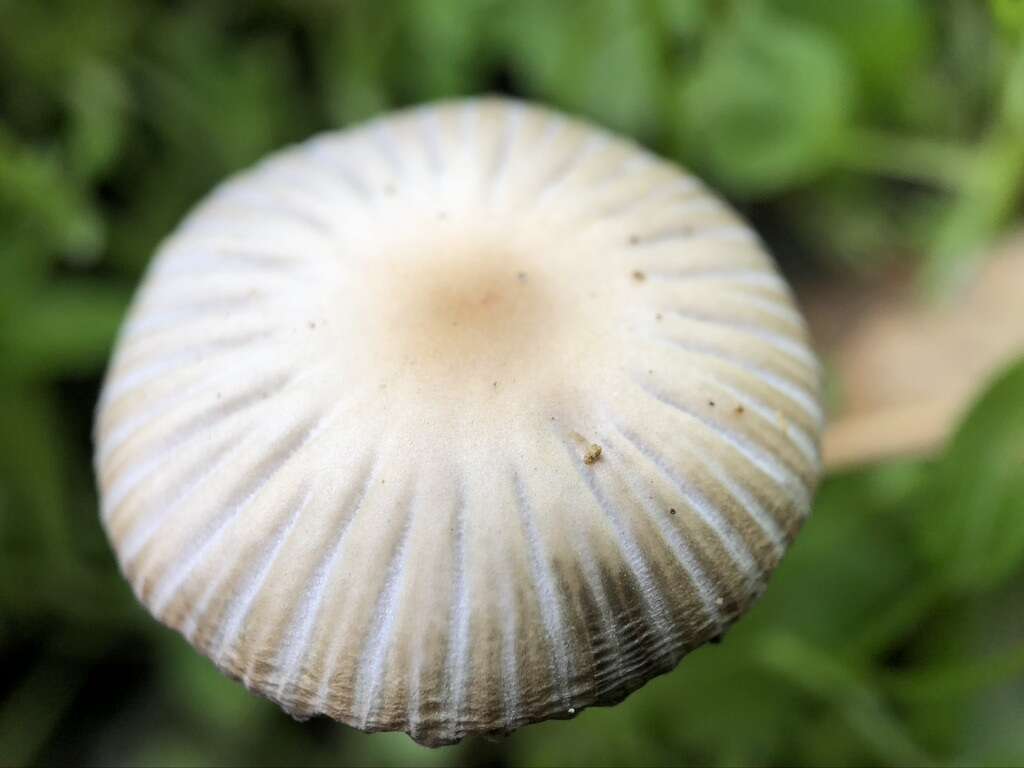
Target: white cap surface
{"points": [[469, 417]]}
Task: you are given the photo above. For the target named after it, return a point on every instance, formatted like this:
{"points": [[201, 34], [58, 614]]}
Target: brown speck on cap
{"points": [[592, 454], [639, 276]]}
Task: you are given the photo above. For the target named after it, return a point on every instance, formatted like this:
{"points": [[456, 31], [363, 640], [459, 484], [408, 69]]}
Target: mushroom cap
{"points": [[469, 417]]}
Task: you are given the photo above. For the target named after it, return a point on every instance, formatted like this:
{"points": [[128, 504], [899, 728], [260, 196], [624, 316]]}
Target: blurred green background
{"points": [[858, 136]]}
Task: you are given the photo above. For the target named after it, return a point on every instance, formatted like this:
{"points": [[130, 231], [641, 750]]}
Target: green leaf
{"points": [[387, 749], [43, 212], [32, 711], [536, 38], [44, 43], [216, 107], [33, 465], [455, 27], [1013, 92], [842, 687], [174, 749], [768, 106], [682, 19], [201, 692], [67, 329], [972, 528], [841, 217], [878, 38], [97, 98], [973, 219], [826, 591], [350, 47], [991, 189], [1009, 14], [571, 54], [626, 52], [735, 712]]}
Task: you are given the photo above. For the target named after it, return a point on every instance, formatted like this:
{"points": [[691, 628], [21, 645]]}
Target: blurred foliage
{"points": [[857, 135]]}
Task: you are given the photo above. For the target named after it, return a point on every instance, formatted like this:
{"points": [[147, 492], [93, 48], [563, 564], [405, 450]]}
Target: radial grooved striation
{"points": [[546, 594], [469, 417]]}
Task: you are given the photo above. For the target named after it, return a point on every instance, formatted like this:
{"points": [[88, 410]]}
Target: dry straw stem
{"points": [[908, 369]]}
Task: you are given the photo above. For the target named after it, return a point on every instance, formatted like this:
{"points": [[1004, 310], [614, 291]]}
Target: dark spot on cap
{"points": [[639, 276]]}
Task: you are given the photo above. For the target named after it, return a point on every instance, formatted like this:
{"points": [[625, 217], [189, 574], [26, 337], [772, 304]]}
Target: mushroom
{"points": [[470, 417]]}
